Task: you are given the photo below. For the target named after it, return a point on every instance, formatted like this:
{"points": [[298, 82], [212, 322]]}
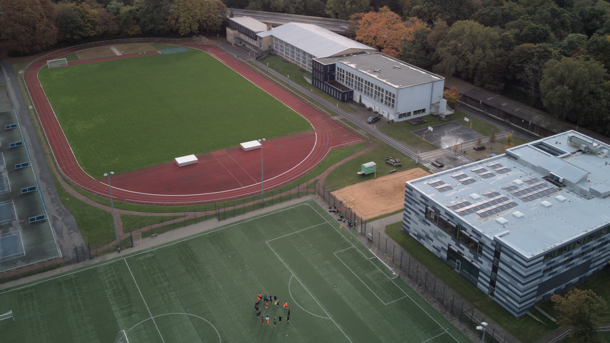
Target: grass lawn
{"points": [[133, 48], [132, 222], [345, 174], [72, 57], [296, 75], [202, 289], [133, 113], [402, 131], [525, 329]]}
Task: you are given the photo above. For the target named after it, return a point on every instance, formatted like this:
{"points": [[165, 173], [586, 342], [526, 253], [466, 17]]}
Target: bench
{"points": [[479, 148], [388, 158], [153, 235], [437, 164], [397, 164], [392, 171]]}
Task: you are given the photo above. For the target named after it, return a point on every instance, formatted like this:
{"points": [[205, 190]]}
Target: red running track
{"points": [[178, 189]]}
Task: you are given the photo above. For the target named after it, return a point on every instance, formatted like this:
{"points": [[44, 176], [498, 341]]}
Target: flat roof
{"points": [[538, 216], [314, 40], [250, 23], [389, 70]]}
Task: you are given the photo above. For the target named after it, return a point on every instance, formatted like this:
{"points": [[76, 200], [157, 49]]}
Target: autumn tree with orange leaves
{"points": [[386, 31]]}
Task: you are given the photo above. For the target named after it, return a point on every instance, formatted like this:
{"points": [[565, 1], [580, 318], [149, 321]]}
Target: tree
{"points": [[343, 9], [385, 31], [470, 51], [196, 16], [576, 90], [28, 25], [417, 51], [153, 16], [452, 95], [450, 11], [510, 141], [107, 23], [579, 310], [527, 64], [598, 47]]}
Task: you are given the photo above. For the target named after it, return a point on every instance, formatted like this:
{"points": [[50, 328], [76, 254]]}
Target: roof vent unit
{"points": [[397, 66], [475, 196], [587, 146], [600, 191], [561, 198], [376, 70], [517, 214], [546, 204], [501, 221], [518, 182], [556, 178]]}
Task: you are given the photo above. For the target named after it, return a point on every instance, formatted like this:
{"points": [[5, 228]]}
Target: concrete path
{"points": [[115, 50]]}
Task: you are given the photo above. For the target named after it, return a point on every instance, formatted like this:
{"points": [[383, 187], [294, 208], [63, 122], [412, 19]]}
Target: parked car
{"points": [[372, 120], [343, 27]]}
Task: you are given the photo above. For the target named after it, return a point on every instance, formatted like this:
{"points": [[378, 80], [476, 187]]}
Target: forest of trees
{"points": [[33, 25], [556, 52]]}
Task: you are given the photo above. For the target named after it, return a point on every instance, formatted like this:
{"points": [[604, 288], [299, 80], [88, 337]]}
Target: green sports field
{"points": [[203, 289], [133, 113]]}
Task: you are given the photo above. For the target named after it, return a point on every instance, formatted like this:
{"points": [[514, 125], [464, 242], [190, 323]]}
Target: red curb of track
{"points": [[328, 134]]}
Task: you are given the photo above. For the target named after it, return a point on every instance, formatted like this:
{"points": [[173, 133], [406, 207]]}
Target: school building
{"points": [[521, 226]]}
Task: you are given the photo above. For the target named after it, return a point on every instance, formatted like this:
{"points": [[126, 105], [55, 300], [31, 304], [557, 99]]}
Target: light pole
{"points": [[262, 184], [116, 235], [482, 327]]}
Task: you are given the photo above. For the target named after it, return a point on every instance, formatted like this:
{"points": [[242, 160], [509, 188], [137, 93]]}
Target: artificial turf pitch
{"points": [[132, 113], [203, 289]]}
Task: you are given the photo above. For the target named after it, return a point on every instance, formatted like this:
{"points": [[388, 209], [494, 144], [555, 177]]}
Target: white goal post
{"points": [[8, 315], [60, 62], [121, 337]]}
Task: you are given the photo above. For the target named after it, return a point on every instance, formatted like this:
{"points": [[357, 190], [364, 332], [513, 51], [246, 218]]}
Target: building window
{"points": [[462, 263], [576, 244], [423, 110]]}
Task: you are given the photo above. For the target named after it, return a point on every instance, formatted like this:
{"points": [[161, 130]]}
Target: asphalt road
{"points": [[282, 18]]}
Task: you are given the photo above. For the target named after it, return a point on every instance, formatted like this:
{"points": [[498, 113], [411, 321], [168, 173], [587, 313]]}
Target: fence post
{"points": [[400, 260], [417, 274], [452, 299], [409, 268], [426, 279], [131, 236], [393, 251]]}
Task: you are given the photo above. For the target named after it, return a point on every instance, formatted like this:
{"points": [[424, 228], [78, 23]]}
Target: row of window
{"points": [[292, 52], [576, 244], [367, 88], [454, 231], [462, 263], [328, 89]]}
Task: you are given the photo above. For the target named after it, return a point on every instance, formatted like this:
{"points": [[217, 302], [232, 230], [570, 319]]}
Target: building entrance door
{"points": [[458, 266]]}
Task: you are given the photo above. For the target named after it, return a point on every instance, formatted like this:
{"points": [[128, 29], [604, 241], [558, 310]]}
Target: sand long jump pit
{"points": [[379, 196]]}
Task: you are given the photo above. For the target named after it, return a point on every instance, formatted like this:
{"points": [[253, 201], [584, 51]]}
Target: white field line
{"points": [[364, 283], [418, 305], [144, 300], [294, 301], [151, 249], [316, 300], [216, 158], [172, 314], [440, 334]]}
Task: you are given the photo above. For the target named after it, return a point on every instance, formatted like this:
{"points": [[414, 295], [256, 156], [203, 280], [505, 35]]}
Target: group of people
{"points": [[270, 301]]}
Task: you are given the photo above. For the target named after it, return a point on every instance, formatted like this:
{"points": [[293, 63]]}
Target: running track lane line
{"points": [[69, 166]]}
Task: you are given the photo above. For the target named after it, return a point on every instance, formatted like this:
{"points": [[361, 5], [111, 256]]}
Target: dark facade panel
{"points": [[563, 278]]}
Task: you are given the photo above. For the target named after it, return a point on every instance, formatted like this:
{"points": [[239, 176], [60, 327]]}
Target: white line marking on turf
{"points": [[364, 283], [294, 301], [290, 270], [440, 334], [153, 248], [138, 287], [418, 305], [184, 314]]}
